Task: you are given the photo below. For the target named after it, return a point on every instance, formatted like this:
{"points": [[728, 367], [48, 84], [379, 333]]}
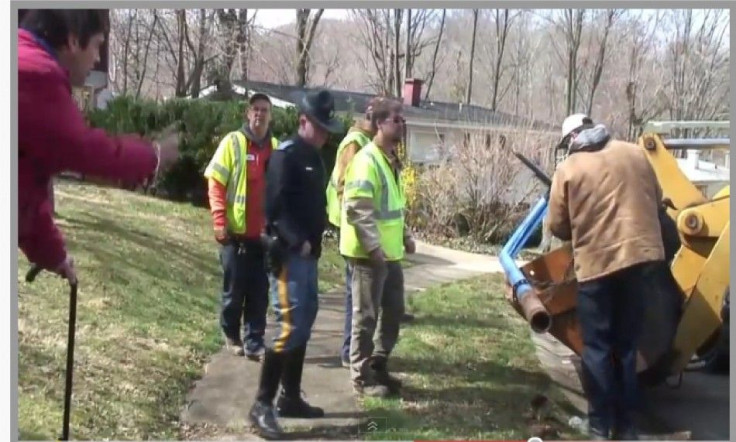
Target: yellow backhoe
{"points": [[687, 317]]}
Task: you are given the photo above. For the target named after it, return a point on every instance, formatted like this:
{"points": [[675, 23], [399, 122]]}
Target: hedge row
{"points": [[202, 123]]}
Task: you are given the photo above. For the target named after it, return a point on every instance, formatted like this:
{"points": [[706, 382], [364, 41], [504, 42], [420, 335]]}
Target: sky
{"points": [[270, 18]]}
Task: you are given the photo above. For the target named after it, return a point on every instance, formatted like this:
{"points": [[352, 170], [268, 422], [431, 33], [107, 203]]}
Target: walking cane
{"points": [[30, 276]]}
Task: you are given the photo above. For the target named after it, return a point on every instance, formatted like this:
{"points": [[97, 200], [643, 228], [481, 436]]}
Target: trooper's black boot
{"points": [[262, 415], [290, 403]]}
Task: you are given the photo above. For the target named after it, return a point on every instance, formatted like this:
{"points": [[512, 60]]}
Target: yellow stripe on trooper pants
{"points": [[295, 301], [283, 309]]}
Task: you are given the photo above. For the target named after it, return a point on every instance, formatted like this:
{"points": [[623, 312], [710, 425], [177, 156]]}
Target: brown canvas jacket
{"points": [[605, 202]]}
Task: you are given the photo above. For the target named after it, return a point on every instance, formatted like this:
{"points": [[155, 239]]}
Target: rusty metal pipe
{"points": [[535, 312]]}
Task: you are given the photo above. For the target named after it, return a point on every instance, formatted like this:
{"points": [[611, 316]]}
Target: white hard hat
{"points": [[573, 122]]}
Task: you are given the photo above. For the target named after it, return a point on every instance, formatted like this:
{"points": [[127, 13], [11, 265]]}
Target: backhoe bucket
{"points": [[554, 286]]}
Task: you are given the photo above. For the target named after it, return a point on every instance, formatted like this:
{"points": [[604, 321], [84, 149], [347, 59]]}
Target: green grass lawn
{"points": [[471, 371], [147, 316], [147, 320]]}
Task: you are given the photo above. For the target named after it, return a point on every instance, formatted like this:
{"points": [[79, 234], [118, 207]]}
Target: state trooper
{"points": [[295, 222]]}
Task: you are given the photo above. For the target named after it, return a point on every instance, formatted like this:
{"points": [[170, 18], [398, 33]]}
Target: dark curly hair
{"points": [[56, 25]]}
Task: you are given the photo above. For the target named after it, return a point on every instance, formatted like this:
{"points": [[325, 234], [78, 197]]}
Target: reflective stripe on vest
{"points": [[384, 213], [237, 182]]}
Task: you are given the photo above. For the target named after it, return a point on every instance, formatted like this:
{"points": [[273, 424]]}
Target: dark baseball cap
{"points": [[259, 96]]}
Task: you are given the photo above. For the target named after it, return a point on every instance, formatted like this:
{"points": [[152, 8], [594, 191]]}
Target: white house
{"points": [[433, 127], [707, 176]]}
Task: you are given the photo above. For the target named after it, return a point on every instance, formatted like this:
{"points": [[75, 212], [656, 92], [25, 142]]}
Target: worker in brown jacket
{"points": [[604, 198]]}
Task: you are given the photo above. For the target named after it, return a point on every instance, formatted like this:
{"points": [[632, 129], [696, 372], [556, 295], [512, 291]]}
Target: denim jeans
{"points": [[244, 292], [610, 311]]}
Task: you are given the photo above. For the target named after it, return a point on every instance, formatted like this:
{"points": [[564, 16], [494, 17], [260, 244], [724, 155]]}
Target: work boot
{"points": [[291, 403], [262, 415], [254, 351], [370, 389], [381, 375], [234, 346]]}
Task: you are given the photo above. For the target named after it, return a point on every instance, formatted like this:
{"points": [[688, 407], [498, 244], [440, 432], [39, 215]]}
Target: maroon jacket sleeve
{"points": [[45, 247], [63, 140]]}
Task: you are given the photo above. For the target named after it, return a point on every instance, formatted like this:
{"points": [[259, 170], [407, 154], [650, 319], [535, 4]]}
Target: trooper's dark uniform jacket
{"points": [[295, 195]]}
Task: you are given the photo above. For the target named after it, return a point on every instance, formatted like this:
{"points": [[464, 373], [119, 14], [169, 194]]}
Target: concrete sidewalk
{"points": [[697, 410], [217, 406]]}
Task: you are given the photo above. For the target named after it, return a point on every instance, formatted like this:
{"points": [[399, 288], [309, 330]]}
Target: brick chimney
{"points": [[412, 92]]}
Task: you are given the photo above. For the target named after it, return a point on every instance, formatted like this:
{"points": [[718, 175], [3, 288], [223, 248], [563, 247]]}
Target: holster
{"points": [[275, 252]]}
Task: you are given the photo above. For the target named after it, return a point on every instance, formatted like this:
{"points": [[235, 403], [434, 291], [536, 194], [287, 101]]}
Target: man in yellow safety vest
{"points": [[237, 183], [374, 238], [357, 137]]}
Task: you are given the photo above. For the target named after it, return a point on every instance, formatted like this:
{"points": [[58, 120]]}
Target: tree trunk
{"points": [[397, 51], [501, 34], [434, 56], [306, 28], [469, 91], [407, 53], [181, 86]]}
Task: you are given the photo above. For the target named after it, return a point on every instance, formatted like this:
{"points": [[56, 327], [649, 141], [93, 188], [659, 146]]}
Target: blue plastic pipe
{"points": [[514, 245]]}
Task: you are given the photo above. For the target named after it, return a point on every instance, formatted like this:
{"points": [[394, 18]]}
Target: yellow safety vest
{"points": [[370, 175], [229, 167], [333, 204]]}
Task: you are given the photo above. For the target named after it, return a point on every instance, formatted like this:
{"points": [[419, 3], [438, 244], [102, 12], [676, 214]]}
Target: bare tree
{"points": [[397, 52], [593, 78], [274, 51], [375, 35], [699, 62], [186, 60], [503, 19], [245, 31], [477, 186], [194, 83], [433, 69], [234, 32], [379, 34], [524, 58], [642, 32], [306, 25], [459, 85], [417, 23], [134, 30], [408, 60], [469, 90], [570, 23]]}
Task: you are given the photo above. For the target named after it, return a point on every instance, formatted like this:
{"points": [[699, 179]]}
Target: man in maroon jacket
{"points": [[57, 49]]}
